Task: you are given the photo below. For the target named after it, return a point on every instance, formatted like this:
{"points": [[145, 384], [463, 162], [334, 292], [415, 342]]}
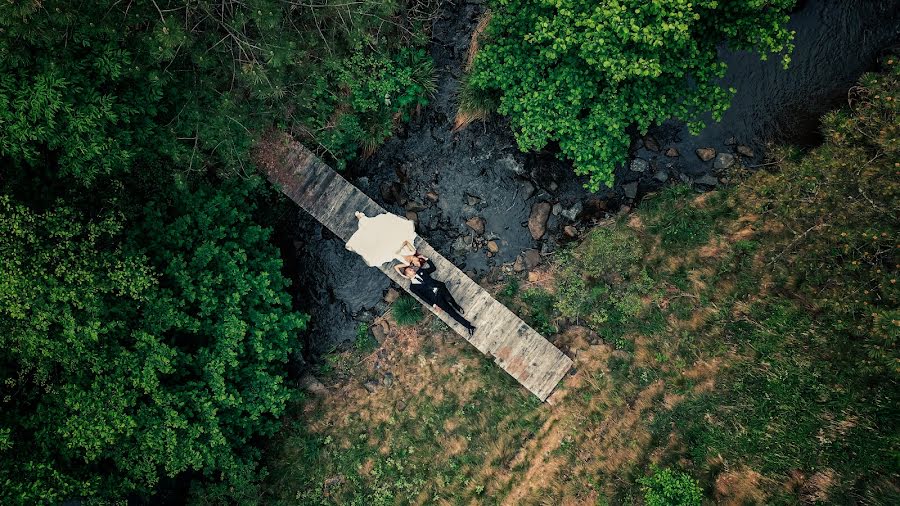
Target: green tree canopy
{"points": [[132, 353], [580, 72]]}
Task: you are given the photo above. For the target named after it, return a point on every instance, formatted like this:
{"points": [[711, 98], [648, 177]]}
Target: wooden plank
{"points": [[516, 347]]}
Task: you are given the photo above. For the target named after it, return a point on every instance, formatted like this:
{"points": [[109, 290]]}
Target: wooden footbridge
{"points": [[328, 197]]}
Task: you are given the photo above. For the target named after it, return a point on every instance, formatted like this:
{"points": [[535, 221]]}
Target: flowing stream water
{"points": [[479, 172]]}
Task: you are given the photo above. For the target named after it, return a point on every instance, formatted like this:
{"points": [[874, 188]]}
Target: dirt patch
{"points": [[740, 487]]}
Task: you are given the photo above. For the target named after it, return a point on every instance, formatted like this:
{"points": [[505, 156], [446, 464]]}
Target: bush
{"points": [[670, 488], [602, 280], [581, 73], [407, 311]]}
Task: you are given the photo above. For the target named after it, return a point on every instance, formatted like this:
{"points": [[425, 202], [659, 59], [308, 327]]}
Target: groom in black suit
{"points": [[435, 293]]}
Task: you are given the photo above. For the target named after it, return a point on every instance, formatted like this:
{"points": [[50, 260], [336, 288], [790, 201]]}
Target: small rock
{"points": [[650, 143], [673, 153], [552, 186], [706, 154], [391, 295], [745, 151], [684, 178], [378, 333], [537, 221], [661, 176], [312, 385], [570, 231], [731, 141], [527, 189], [533, 276], [432, 196], [510, 163], [362, 182], [493, 247], [414, 207], [548, 246], [387, 193], [388, 380], [477, 224], [723, 161], [639, 165], [572, 212], [707, 180], [631, 190], [472, 200], [531, 258], [371, 385], [413, 217], [401, 405], [519, 264], [557, 208]]}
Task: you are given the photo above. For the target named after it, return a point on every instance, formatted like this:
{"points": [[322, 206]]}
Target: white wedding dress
{"points": [[380, 239]]}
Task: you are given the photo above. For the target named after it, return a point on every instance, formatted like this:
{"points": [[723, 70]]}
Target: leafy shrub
{"points": [[602, 280], [580, 73], [670, 488], [139, 352], [407, 311], [540, 305]]}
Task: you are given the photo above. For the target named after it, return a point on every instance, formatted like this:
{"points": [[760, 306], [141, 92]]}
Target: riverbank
{"points": [[473, 193]]}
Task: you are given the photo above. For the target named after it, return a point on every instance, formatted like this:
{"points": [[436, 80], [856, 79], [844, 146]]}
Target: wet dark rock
{"points": [[553, 186], [548, 246], [537, 221], [527, 190], [723, 161], [557, 208], [531, 258], [731, 141], [570, 231], [650, 143], [371, 386], [472, 200], [414, 206], [413, 217], [707, 180], [673, 153], [519, 264], [432, 196], [311, 384], [510, 163], [745, 151], [572, 212], [391, 295], [378, 333], [706, 154], [630, 190], [661, 176], [639, 165], [477, 224]]}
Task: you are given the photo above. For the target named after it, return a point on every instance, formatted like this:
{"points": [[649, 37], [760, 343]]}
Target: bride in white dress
{"points": [[383, 238]]}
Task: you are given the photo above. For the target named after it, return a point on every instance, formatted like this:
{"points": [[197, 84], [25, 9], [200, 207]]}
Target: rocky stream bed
{"points": [[484, 204]]}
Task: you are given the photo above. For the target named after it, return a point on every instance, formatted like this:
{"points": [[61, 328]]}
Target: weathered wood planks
{"points": [[328, 197]]}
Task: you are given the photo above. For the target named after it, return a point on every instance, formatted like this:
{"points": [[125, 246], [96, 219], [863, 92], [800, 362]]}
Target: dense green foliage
{"points": [[187, 83], [143, 351], [670, 488], [581, 72], [145, 323]]}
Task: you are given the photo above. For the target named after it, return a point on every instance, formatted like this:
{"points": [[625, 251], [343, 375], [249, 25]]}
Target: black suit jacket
{"points": [[427, 290]]}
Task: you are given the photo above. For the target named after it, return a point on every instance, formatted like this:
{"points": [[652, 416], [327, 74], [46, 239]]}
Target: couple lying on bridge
{"points": [[377, 239]]}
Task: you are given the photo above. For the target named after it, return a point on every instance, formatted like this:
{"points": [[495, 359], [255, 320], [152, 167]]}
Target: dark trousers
{"points": [[450, 306]]}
